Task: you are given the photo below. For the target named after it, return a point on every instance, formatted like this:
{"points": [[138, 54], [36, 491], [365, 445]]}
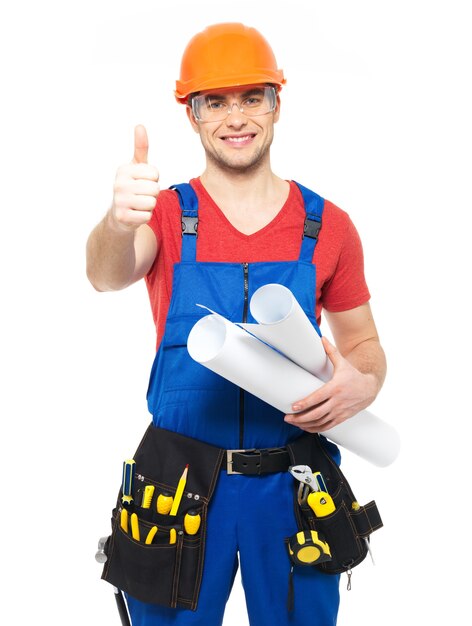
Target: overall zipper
{"points": [[241, 391]]}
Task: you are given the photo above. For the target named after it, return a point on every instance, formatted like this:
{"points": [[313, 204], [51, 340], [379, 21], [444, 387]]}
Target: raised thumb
{"points": [[141, 145]]}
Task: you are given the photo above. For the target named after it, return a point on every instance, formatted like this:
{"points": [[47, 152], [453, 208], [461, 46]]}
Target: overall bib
{"points": [[248, 516]]}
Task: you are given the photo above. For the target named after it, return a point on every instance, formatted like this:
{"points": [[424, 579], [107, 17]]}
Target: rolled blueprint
{"points": [[241, 358], [231, 352], [282, 323]]}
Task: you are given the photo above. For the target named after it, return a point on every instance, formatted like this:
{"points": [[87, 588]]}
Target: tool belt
{"points": [[168, 570], [346, 530]]}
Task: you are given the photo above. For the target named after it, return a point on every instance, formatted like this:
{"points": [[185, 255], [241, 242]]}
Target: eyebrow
{"points": [[254, 90]]}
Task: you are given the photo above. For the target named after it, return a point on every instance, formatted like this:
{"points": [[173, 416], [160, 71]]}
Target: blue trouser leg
{"points": [[266, 518], [219, 570], [253, 515]]}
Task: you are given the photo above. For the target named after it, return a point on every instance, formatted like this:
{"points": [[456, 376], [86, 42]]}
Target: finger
{"points": [[145, 171], [144, 187], [317, 397], [329, 423], [136, 202], [128, 217], [143, 203], [313, 414], [141, 145], [309, 423], [333, 353]]}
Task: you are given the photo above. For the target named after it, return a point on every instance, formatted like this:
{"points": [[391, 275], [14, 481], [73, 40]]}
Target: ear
{"points": [[192, 119], [277, 110]]}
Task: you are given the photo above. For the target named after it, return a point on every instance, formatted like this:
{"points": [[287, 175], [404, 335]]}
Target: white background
{"points": [[376, 117]]}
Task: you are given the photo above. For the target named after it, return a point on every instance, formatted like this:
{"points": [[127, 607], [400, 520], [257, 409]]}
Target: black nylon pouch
{"points": [[164, 573], [346, 528]]}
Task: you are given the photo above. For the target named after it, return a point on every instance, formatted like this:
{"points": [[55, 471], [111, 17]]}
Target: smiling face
{"points": [[239, 142]]}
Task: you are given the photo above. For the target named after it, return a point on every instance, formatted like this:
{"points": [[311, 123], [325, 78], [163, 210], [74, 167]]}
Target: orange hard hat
{"points": [[226, 55]]}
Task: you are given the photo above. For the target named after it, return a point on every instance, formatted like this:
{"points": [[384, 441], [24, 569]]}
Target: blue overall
{"points": [[249, 516]]}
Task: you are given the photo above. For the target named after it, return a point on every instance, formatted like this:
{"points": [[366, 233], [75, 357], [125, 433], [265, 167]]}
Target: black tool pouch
{"points": [[347, 529], [162, 572]]}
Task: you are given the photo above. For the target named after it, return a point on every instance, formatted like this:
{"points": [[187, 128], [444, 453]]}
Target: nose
{"points": [[235, 116]]}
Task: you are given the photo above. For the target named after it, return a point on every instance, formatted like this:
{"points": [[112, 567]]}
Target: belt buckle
{"points": [[229, 460]]}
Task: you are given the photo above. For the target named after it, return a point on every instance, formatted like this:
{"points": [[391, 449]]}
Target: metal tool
{"points": [[122, 608], [100, 555], [308, 482], [313, 490]]}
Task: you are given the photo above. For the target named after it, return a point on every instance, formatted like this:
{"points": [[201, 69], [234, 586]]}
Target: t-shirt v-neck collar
{"points": [[226, 222]]}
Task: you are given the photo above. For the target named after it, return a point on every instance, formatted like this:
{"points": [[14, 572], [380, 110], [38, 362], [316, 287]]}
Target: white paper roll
{"points": [[231, 352], [282, 323]]}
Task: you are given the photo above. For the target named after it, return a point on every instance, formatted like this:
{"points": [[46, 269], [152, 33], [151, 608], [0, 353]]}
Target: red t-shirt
{"points": [[338, 254]]}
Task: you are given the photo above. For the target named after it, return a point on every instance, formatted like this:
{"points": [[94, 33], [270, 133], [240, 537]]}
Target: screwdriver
{"points": [[192, 522], [127, 482], [164, 503]]}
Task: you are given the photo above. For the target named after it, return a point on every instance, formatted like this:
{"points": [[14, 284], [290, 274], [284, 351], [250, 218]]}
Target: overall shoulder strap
{"points": [[314, 205], [189, 218]]}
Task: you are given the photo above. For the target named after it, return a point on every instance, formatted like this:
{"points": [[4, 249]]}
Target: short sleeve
{"points": [[347, 287]]}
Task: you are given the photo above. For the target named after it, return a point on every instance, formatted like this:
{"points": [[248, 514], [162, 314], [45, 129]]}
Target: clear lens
{"points": [[216, 106]]}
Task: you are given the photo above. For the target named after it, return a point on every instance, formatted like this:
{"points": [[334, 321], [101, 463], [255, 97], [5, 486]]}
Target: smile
{"points": [[238, 139]]}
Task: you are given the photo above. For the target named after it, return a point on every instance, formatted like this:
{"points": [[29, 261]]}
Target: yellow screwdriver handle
{"points": [[128, 481], [164, 503], [192, 522]]}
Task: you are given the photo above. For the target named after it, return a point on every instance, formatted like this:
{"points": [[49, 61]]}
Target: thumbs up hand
{"points": [[136, 187]]}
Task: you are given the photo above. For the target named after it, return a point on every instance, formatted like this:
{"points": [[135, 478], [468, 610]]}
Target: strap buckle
{"points": [[229, 461], [189, 225], [311, 228]]}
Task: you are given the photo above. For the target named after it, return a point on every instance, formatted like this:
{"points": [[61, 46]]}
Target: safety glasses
{"points": [[216, 106]]}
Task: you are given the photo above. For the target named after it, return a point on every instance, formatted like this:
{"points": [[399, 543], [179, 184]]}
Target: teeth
{"points": [[238, 139]]}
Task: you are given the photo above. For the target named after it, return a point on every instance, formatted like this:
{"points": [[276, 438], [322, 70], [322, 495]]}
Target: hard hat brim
{"points": [[184, 89]]}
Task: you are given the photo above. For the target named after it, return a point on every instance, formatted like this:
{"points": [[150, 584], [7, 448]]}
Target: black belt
{"points": [[255, 462]]}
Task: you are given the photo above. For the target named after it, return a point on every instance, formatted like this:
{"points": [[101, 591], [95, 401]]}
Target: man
{"points": [[250, 231]]}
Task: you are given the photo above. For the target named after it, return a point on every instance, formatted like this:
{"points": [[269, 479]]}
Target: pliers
{"points": [[308, 481]]}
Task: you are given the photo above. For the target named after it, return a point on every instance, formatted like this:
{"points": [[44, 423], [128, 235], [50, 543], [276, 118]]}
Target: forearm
{"points": [[122, 248], [111, 256], [368, 358]]}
